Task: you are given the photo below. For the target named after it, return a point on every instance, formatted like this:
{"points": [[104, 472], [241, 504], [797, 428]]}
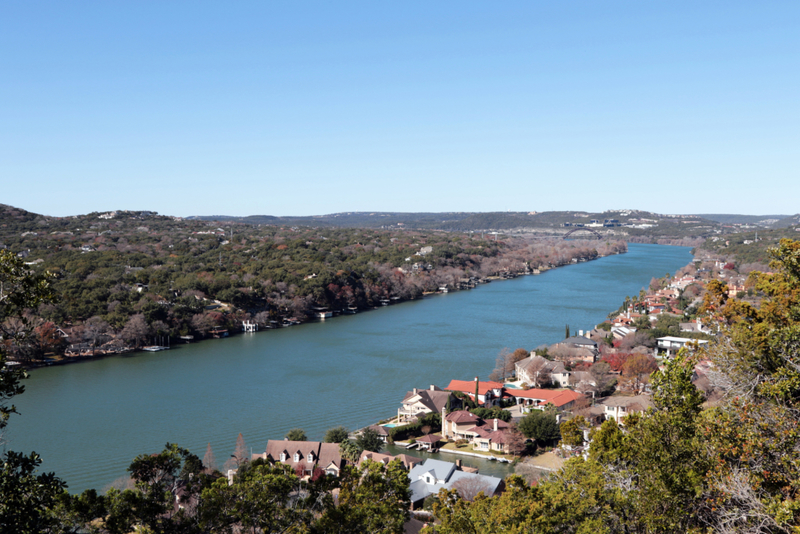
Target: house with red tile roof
{"points": [[489, 393], [537, 399]]}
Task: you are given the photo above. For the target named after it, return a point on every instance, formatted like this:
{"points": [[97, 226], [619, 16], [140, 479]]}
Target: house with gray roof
{"points": [[431, 476]]}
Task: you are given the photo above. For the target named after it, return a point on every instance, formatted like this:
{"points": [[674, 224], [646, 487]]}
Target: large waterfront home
{"points": [[419, 402], [489, 393], [485, 436], [538, 371], [538, 399], [305, 456]]}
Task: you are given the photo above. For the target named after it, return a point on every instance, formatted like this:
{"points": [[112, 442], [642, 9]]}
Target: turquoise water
{"points": [[89, 420], [390, 425]]}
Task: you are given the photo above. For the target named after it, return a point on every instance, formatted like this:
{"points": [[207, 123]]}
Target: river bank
{"points": [[94, 353]]}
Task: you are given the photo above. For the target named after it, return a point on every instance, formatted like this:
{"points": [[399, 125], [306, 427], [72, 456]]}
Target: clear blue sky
{"points": [[301, 108]]}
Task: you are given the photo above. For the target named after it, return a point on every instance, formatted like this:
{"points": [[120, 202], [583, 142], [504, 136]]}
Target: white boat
{"points": [[155, 348]]}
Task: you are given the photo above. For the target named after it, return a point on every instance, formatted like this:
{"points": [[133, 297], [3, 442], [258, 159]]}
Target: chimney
{"points": [[458, 464], [580, 333], [414, 391], [444, 422], [432, 387], [495, 424]]}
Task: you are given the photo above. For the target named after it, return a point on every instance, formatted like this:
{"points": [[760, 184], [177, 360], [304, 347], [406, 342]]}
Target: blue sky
{"points": [[301, 108]]}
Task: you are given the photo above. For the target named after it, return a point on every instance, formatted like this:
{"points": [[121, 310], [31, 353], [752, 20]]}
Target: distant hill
{"points": [[759, 220], [639, 225]]}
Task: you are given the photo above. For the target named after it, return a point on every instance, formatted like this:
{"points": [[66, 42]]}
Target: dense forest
{"points": [[125, 279]]}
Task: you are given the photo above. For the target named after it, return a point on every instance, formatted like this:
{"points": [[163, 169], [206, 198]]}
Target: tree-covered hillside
{"points": [[129, 277]]}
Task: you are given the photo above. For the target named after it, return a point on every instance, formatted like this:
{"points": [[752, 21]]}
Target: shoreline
{"points": [[66, 360]]}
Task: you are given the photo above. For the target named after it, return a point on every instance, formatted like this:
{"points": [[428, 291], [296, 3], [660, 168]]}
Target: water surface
{"points": [[88, 420]]}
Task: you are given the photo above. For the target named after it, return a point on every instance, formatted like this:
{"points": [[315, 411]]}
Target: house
{"points": [[672, 344], [619, 332], [682, 283], [694, 326], [618, 407], [305, 456], [484, 435], [584, 348], [582, 381], [489, 393], [418, 402], [431, 476], [492, 436], [459, 424], [537, 370], [537, 399], [408, 461]]}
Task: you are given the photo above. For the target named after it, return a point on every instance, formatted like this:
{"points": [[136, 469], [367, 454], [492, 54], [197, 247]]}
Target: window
{"points": [[297, 457], [310, 457], [283, 457]]}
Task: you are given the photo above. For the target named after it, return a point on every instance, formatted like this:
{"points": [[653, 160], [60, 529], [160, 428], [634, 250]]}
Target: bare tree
{"points": [[638, 368], [470, 487], [94, 331], [515, 440], [504, 363], [239, 455], [209, 462], [136, 330]]}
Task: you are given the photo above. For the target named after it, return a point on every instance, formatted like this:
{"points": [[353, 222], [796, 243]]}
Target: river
{"points": [[89, 420]]}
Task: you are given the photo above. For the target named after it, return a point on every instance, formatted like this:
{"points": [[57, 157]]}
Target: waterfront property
{"points": [[489, 393], [538, 371], [538, 399], [418, 402], [374, 355], [305, 456]]}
